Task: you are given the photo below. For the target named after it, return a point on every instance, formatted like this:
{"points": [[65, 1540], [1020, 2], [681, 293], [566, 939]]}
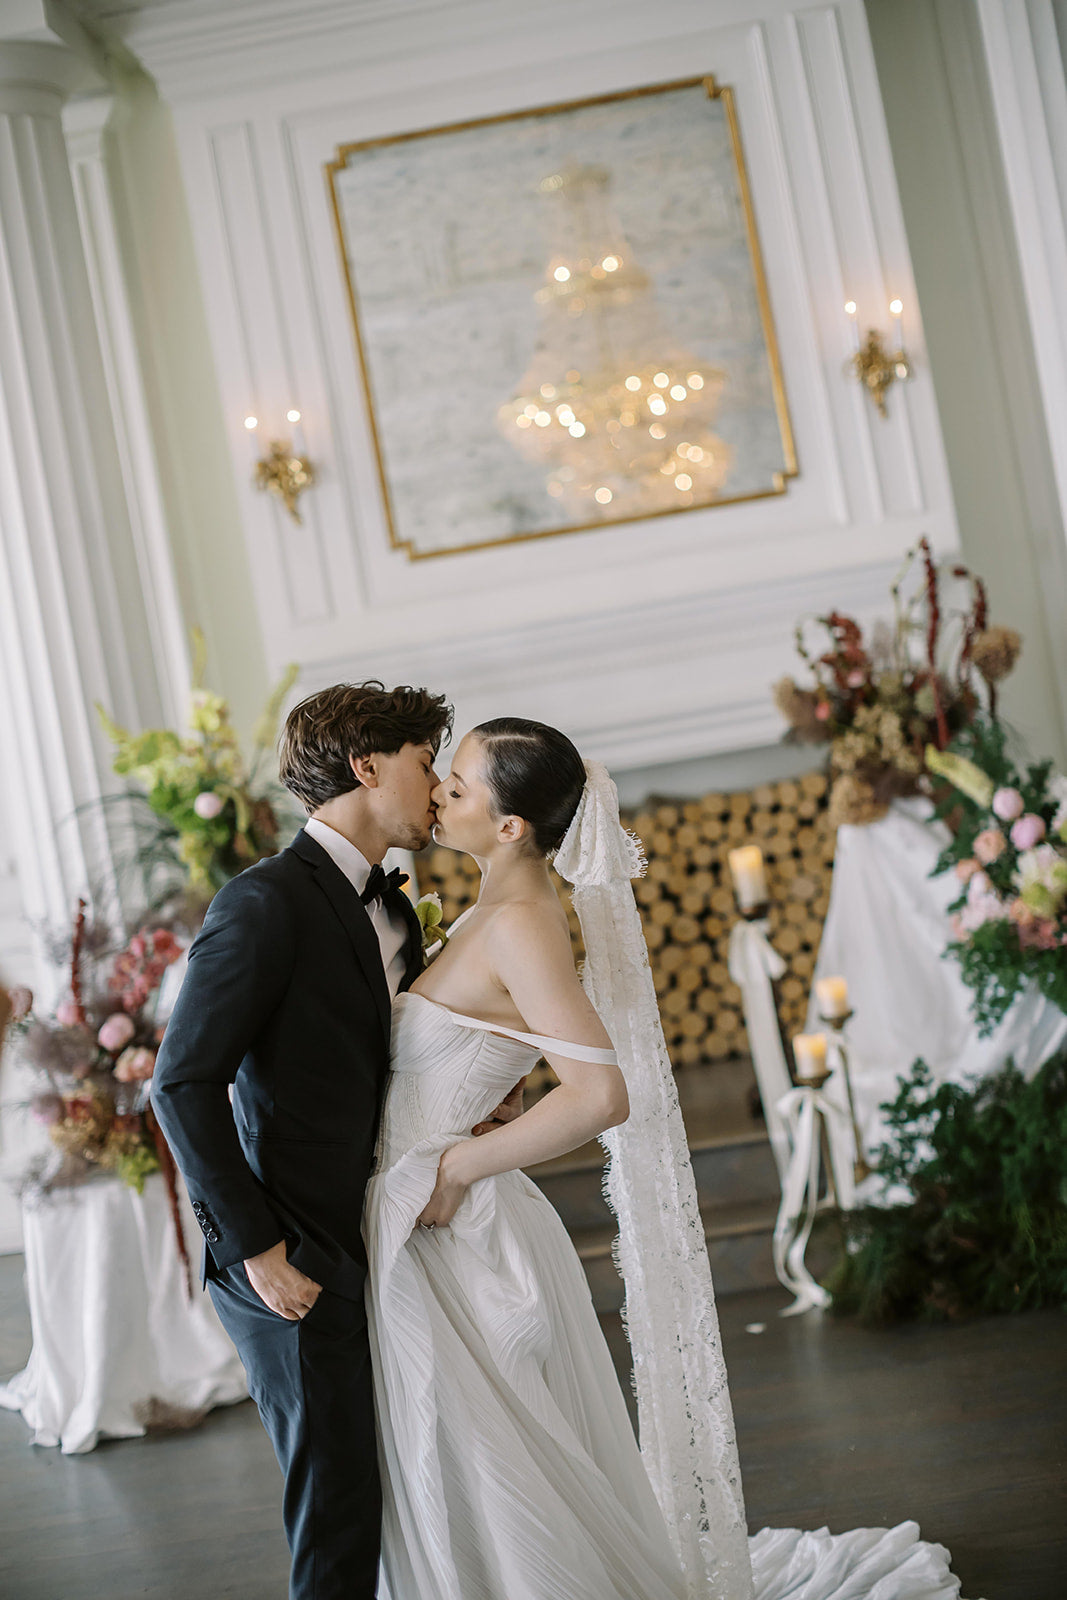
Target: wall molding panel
{"points": [[558, 622]]}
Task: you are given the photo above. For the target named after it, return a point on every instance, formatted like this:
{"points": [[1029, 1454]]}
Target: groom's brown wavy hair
{"points": [[353, 719]]}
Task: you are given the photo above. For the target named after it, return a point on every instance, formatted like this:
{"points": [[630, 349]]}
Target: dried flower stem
{"points": [[76, 943], [933, 627]]}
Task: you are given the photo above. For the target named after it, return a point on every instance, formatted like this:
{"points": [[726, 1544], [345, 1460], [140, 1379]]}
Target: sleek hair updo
{"points": [[533, 772]]}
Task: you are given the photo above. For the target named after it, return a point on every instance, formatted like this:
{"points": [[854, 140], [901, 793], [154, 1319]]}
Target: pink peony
{"points": [[21, 1001], [68, 1014], [822, 710], [134, 1066], [115, 1033], [1008, 804], [208, 805], [966, 869], [1028, 831], [989, 844], [856, 679]]}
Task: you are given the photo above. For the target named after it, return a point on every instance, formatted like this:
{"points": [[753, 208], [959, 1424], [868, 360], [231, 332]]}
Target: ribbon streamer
{"points": [[800, 1110], [754, 963]]}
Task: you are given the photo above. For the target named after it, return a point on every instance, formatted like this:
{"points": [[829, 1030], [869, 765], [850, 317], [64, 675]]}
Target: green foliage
{"points": [[134, 1165], [986, 1230]]}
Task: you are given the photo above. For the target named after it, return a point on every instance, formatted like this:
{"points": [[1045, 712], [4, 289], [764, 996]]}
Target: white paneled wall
{"points": [[649, 641]]}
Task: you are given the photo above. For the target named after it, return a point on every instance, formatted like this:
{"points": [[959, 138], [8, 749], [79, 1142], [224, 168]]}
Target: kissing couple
{"points": [[416, 1327]]}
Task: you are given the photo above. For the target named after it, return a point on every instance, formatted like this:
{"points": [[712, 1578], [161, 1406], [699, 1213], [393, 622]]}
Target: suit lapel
{"points": [[413, 948], [353, 917]]}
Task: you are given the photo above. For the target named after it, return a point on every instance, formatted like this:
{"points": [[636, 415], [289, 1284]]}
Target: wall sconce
{"points": [[285, 470], [876, 367]]}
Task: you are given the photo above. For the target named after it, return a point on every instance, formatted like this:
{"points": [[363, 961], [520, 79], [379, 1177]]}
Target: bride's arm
{"points": [[533, 962]]}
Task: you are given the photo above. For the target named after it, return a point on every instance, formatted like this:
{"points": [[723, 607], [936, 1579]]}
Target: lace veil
{"points": [[685, 1419]]}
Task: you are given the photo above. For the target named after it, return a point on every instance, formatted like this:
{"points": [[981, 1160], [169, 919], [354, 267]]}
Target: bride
{"points": [[510, 1470]]}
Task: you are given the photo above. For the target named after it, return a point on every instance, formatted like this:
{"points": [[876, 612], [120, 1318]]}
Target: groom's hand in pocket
{"points": [[506, 1111], [283, 1288]]}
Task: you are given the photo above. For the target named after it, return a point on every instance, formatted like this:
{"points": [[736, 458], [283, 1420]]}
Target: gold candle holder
{"points": [[862, 1168]]}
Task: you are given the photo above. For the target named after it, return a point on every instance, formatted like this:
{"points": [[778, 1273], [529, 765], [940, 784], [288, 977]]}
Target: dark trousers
{"points": [[312, 1383]]}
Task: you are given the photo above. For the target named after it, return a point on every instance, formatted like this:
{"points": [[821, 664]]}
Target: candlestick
{"points": [[750, 882], [832, 995], [836, 1024]]}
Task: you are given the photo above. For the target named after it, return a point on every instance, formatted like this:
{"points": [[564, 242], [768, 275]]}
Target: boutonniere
{"points": [[430, 913]]}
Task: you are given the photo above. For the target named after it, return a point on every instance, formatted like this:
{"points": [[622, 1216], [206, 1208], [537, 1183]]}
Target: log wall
{"points": [[687, 904]]}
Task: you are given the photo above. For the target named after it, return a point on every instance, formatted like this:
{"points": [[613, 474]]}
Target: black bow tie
{"points": [[380, 883]]}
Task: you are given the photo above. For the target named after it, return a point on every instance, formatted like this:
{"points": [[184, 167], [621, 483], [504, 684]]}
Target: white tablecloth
{"points": [[886, 930], [113, 1327]]}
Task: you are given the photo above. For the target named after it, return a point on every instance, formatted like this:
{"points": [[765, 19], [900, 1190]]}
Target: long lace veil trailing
{"points": [[684, 1414]]}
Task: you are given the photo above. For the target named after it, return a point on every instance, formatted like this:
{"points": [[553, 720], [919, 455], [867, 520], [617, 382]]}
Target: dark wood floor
{"points": [[963, 1429]]}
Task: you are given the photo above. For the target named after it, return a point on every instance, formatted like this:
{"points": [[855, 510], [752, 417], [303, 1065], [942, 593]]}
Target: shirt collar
{"points": [[352, 862]]}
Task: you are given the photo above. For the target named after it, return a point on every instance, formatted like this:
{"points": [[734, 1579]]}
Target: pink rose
{"points": [[115, 1033], [965, 870], [68, 1015], [134, 1066], [989, 844], [822, 710], [1008, 804], [856, 679], [208, 805], [1028, 831], [137, 946], [21, 1001]]}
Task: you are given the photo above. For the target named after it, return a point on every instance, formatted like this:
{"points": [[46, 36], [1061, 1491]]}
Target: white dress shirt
{"points": [[389, 925]]}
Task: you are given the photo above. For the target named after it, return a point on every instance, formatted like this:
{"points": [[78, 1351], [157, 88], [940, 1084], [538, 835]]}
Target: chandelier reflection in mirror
{"points": [[622, 418], [561, 319]]}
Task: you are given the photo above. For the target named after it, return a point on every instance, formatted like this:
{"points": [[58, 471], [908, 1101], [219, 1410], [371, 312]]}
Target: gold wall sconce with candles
{"points": [[873, 363], [285, 470]]}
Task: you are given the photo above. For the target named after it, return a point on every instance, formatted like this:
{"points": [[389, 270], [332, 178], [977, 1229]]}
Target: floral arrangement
{"points": [[208, 801], [94, 1058], [1009, 853], [879, 705], [985, 1229]]}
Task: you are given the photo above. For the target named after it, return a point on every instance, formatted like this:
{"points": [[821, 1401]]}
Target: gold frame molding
{"points": [[714, 92]]}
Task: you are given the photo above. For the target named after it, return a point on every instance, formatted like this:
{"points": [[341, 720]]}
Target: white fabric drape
{"points": [[754, 964], [685, 1419], [114, 1328], [802, 1110]]}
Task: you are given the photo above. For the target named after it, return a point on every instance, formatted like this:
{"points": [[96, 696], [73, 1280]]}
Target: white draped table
{"points": [[886, 930], [117, 1339]]}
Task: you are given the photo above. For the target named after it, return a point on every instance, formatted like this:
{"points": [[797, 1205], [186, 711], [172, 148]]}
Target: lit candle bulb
{"points": [[850, 312], [896, 311], [750, 882], [832, 995], [293, 416], [809, 1053]]}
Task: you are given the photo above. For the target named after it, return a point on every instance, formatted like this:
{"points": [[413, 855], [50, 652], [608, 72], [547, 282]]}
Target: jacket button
{"points": [[212, 1236]]}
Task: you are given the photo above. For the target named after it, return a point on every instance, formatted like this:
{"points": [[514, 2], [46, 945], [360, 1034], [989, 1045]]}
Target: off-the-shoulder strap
{"points": [[557, 1047]]}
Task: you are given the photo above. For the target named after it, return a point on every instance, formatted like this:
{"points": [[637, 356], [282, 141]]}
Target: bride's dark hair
{"points": [[533, 772]]}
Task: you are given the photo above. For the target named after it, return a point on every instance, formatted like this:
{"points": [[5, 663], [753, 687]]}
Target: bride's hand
{"points": [[448, 1193]]}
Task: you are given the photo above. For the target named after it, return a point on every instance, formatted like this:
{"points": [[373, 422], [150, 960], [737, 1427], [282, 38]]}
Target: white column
{"points": [[73, 623], [1029, 87]]}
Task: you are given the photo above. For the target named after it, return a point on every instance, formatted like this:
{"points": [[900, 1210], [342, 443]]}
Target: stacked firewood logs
{"points": [[687, 903]]}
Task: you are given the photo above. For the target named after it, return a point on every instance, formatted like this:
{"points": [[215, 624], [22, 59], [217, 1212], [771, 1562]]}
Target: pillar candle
{"points": [[809, 1053], [750, 883], [832, 995]]}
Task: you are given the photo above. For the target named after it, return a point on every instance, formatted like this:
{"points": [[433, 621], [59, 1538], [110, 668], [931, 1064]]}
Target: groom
{"points": [[287, 999]]}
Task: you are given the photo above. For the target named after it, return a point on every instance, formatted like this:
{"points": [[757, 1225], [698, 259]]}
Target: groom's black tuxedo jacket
{"points": [[286, 999]]}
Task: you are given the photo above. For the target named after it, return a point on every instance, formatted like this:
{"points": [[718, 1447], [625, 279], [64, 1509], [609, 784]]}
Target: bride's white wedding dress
{"points": [[510, 1470]]}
